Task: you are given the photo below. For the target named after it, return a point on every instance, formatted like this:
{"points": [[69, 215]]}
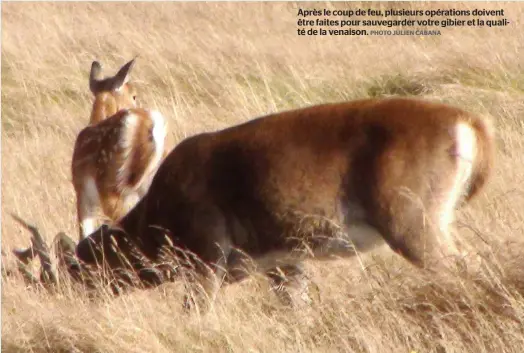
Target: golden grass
{"points": [[210, 65]]}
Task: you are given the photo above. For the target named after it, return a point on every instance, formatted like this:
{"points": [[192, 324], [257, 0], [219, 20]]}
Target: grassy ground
{"points": [[210, 65]]}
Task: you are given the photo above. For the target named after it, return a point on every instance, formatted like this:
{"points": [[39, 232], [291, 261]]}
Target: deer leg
{"points": [[415, 211], [204, 283], [47, 275], [148, 275], [418, 231], [287, 276], [65, 250], [25, 255]]}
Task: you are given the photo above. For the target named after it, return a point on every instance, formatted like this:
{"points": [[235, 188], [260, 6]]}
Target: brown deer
{"points": [[316, 182], [117, 154]]}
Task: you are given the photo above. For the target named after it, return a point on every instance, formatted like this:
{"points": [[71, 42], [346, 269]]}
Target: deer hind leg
{"points": [[419, 226], [415, 233], [87, 203], [426, 235]]}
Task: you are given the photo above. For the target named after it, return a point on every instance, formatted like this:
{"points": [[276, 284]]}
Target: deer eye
{"points": [[134, 98]]}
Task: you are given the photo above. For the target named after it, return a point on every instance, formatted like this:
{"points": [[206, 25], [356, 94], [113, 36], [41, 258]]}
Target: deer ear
{"points": [[95, 77], [122, 76]]}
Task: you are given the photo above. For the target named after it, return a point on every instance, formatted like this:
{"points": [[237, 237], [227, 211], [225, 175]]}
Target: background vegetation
{"points": [[207, 66]]}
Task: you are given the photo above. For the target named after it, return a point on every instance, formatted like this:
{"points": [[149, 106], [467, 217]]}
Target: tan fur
{"points": [[388, 163], [114, 156], [107, 104]]}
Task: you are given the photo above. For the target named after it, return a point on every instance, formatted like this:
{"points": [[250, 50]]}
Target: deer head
{"points": [[111, 93]]}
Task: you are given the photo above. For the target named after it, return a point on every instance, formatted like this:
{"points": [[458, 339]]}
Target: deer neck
{"points": [[104, 106]]}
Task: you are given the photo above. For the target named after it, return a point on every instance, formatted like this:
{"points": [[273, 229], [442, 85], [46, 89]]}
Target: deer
{"points": [[116, 155], [315, 183]]}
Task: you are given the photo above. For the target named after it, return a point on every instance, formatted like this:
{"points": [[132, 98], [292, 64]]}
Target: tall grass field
{"points": [[210, 65]]}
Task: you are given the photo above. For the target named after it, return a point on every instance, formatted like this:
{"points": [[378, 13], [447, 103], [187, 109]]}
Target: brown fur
{"points": [[303, 179]]}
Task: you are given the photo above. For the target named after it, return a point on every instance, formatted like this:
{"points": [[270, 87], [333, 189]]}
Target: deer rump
{"points": [[321, 181]]}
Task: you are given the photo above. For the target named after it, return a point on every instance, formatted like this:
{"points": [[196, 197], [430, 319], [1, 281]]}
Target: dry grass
{"points": [[207, 66]]}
